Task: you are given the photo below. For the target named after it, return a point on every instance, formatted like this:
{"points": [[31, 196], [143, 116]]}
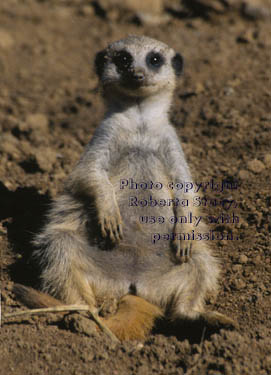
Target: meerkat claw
{"points": [[183, 253], [112, 228]]}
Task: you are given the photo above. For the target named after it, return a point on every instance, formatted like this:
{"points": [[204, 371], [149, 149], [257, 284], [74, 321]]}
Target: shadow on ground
{"points": [[23, 212]]}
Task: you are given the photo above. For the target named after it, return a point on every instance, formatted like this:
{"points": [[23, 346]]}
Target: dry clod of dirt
{"points": [[243, 258], [46, 158], [243, 175], [6, 40], [255, 166], [37, 121], [267, 160]]}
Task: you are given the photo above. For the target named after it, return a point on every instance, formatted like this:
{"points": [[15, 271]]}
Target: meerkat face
{"points": [[138, 67]]}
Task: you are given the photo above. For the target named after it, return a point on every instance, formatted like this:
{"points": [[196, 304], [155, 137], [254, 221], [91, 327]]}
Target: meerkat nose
{"points": [[138, 74]]}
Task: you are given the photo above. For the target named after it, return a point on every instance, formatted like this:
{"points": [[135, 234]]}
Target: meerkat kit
{"points": [[99, 236]]}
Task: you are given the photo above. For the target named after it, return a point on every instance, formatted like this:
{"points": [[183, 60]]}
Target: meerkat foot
{"points": [[216, 319]]}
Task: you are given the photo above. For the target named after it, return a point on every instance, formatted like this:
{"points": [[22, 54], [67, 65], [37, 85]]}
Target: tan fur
{"points": [[93, 244], [134, 319]]}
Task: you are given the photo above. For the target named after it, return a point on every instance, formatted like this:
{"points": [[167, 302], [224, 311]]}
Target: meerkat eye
{"points": [[154, 60], [123, 60]]}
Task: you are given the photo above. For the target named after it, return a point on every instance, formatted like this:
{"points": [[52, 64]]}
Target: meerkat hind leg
{"points": [[66, 270], [216, 319]]}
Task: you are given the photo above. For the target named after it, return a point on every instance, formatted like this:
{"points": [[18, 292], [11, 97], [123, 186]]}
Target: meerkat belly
{"points": [[147, 211], [144, 199]]}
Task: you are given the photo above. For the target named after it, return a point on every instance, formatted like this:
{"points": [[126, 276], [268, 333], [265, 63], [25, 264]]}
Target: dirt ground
{"points": [[49, 108]]}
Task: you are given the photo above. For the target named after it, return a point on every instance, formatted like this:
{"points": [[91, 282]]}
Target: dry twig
{"points": [[63, 308]]}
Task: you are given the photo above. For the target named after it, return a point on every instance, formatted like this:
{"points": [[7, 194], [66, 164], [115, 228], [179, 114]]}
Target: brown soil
{"points": [[49, 108]]}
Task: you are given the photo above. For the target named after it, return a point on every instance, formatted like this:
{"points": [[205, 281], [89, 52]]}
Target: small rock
{"points": [[256, 166], [86, 10], [38, 121], [255, 9], [199, 88], [238, 284], [267, 160], [62, 11], [148, 6], [152, 6], [9, 144], [22, 101], [243, 258], [46, 158], [244, 175], [6, 40], [253, 278], [247, 36], [237, 267], [139, 346], [80, 324], [152, 18], [257, 259], [228, 90]]}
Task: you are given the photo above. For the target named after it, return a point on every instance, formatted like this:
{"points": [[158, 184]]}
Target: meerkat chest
{"points": [[143, 130]]}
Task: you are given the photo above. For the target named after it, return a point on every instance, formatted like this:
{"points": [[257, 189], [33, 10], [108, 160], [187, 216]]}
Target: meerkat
{"points": [[94, 243]]}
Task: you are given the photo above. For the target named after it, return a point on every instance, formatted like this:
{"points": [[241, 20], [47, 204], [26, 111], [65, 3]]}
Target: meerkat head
{"points": [[138, 66]]}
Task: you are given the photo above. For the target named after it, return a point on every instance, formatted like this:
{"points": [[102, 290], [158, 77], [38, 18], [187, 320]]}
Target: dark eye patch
{"points": [[154, 60], [100, 62], [123, 60], [177, 64]]}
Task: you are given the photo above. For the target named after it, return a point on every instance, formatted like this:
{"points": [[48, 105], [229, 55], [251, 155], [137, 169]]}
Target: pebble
{"points": [[148, 6], [237, 267], [62, 11], [80, 324], [267, 160], [246, 36], [46, 158], [244, 175], [152, 19], [253, 278], [38, 121], [228, 91], [6, 40], [239, 284], [255, 9], [9, 144], [243, 258], [257, 259], [87, 10], [199, 88], [256, 166]]}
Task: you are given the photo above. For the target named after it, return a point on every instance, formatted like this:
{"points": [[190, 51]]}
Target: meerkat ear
{"points": [[177, 64], [100, 61]]}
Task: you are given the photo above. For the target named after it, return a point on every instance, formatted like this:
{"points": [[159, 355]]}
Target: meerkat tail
{"points": [[134, 318], [33, 298]]}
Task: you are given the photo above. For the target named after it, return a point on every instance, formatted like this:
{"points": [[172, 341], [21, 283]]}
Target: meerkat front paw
{"points": [[183, 250], [183, 247], [110, 222]]}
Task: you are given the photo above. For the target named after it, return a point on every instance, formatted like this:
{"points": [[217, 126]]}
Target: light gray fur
{"points": [[135, 140]]}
